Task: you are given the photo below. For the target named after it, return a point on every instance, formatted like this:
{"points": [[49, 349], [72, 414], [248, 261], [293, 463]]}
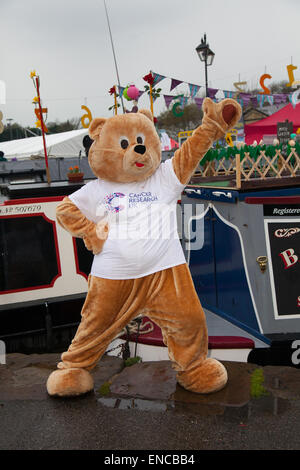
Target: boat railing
{"points": [[245, 171]]}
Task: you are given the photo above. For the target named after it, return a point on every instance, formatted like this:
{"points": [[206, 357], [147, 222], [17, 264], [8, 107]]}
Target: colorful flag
{"points": [[228, 94], [121, 89], [157, 78], [174, 83], [193, 89], [168, 99], [211, 92], [199, 102]]}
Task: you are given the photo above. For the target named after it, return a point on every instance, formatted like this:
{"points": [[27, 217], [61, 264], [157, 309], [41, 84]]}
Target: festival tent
{"points": [[268, 126], [64, 144]]}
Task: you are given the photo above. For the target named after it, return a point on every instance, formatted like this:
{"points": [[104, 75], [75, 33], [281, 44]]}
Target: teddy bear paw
{"points": [[102, 230], [209, 377], [69, 382]]}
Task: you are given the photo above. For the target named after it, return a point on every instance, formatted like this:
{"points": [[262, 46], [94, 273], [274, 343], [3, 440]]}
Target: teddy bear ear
{"points": [[96, 127], [146, 113]]}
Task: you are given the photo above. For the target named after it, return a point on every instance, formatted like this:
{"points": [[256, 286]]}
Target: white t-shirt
{"points": [[143, 236]]}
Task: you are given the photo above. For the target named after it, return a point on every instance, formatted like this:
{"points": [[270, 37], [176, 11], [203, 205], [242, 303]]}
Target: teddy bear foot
{"points": [[69, 382], [210, 376]]}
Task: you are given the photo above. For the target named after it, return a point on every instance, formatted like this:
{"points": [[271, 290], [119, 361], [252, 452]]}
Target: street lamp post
{"points": [[206, 55]]}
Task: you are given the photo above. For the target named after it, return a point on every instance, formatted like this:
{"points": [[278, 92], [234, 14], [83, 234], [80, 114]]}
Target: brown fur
{"points": [[168, 296]]}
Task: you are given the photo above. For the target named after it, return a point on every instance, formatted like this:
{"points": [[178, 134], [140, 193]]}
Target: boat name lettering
{"points": [[12, 210]]}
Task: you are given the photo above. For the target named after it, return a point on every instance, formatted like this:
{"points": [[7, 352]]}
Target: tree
{"points": [[190, 119], [69, 125], [16, 131]]}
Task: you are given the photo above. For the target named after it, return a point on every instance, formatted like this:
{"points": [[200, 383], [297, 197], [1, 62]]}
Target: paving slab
{"points": [[144, 408], [24, 377]]}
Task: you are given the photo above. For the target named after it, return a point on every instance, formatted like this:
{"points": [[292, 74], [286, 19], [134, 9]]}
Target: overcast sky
{"points": [[67, 42]]}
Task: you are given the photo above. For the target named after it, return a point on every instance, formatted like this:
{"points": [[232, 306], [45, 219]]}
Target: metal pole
{"points": [[113, 50], [206, 91], [42, 129]]}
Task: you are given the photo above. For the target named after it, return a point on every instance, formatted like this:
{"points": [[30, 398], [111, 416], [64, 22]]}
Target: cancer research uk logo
{"points": [[2, 92]]}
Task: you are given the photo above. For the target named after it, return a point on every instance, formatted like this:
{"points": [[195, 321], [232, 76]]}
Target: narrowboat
{"points": [[239, 224]]}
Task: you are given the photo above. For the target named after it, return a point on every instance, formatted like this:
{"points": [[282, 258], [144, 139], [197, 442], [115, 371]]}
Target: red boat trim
{"points": [[273, 200], [23, 289], [154, 338], [34, 200]]}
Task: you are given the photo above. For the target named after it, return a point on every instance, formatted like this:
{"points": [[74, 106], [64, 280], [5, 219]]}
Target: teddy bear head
{"points": [[126, 147]]}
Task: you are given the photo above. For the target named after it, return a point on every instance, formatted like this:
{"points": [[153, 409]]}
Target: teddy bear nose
{"points": [[140, 149]]}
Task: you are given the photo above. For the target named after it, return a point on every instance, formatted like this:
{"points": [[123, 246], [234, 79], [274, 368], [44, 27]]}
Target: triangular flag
{"points": [[199, 102], [168, 99], [211, 92], [174, 83], [157, 78], [183, 101], [260, 100], [270, 99], [193, 89], [121, 89], [228, 94]]}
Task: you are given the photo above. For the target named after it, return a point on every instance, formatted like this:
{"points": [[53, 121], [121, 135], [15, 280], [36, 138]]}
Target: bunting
{"points": [[157, 78], [175, 83], [245, 99], [193, 89]]}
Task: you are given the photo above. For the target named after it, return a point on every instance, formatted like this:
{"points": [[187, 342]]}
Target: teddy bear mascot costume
{"points": [[137, 268]]}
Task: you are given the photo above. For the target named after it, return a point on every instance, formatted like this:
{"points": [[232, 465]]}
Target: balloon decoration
{"points": [[133, 92], [39, 111]]}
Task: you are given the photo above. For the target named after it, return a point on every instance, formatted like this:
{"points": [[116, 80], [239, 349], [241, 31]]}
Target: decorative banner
{"points": [[260, 100], [245, 98], [175, 83], [39, 113], [121, 89], [199, 102], [193, 89], [228, 94], [115, 106], [168, 99], [157, 78], [87, 116], [181, 103], [262, 84], [279, 98], [212, 92], [294, 98], [237, 86], [292, 81]]}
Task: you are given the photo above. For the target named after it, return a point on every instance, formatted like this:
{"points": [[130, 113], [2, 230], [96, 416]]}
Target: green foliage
{"points": [[104, 390], [69, 125], [132, 360], [257, 390], [254, 152], [190, 119]]}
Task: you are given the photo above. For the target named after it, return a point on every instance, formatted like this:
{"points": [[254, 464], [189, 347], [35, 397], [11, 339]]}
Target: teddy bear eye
{"points": [[140, 139], [124, 142]]}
